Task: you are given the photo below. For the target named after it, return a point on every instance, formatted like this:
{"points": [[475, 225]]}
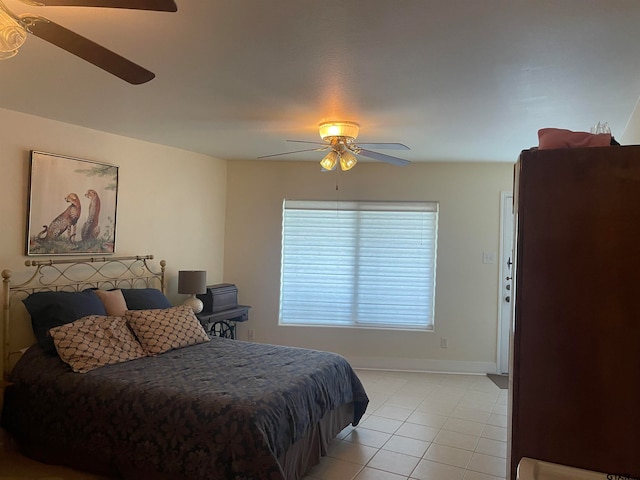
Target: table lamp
{"points": [[192, 282]]}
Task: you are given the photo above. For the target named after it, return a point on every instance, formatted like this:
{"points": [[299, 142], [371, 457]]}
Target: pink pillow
{"points": [[113, 301], [549, 138]]}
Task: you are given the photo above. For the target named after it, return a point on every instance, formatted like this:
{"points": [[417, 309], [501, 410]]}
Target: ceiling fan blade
{"points": [[384, 146], [305, 141], [382, 157], [156, 5], [297, 151], [87, 50]]}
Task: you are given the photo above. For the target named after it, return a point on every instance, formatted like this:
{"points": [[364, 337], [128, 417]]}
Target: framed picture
{"points": [[72, 206]]}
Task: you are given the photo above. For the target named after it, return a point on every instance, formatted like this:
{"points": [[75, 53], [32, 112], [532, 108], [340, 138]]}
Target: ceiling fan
{"points": [[339, 136], [14, 29]]}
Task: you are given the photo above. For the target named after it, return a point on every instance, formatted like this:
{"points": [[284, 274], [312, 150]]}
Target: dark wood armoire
{"points": [[575, 373]]}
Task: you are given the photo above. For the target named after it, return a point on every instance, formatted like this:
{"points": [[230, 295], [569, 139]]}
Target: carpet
{"points": [[502, 381]]}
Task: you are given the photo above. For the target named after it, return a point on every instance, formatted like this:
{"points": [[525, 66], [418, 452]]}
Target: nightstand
{"points": [[223, 323]]}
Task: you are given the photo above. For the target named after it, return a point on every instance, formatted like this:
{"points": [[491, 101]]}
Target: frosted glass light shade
{"points": [[347, 160], [12, 36], [330, 161], [339, 129]]}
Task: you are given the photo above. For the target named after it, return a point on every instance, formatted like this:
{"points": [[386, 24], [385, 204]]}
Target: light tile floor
{"points": [[419, 426], [422, 426]]}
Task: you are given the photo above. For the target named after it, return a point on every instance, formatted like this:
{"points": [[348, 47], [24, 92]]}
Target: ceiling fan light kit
{"points": [[347, 160], [14, 29]]}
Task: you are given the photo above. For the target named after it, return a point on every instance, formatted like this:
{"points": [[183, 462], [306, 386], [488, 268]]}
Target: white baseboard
{"points": [[422, 365]]}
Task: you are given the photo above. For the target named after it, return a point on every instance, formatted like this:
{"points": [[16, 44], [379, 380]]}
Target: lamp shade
{"points": [[192, 281]]}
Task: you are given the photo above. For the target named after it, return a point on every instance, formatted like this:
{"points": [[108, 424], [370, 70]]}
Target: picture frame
{"points": [[72, 206]]}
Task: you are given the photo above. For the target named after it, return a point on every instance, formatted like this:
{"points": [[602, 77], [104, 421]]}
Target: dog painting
{"points": [[72, 206]]}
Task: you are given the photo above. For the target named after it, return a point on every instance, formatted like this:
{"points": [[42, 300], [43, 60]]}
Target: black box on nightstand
{"points": [[221, 296]]}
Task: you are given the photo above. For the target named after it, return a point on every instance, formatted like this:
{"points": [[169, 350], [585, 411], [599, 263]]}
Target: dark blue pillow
{"points": [[145, 298], [52, 309]]}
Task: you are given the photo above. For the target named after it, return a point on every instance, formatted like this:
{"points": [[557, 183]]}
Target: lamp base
{"points": [[195, 303]]}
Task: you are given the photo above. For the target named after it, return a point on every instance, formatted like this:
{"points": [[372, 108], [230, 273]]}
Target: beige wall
{"points": [[171, 203], [466, 308]]}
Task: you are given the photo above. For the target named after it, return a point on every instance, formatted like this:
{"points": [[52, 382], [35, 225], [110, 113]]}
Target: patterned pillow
{"points": [[161, 330], [113, 302], [95, 341]]}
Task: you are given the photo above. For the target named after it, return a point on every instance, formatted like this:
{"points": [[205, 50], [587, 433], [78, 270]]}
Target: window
{"points": [[358, 264]]}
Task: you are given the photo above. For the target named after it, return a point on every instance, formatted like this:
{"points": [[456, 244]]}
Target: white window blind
{"points": [[367, 264]]}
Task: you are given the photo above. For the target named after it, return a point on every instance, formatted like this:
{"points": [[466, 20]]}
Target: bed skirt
{"points": [[306, 452]]}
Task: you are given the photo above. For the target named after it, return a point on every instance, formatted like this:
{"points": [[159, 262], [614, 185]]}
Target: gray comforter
{"points": [[220, 410]]}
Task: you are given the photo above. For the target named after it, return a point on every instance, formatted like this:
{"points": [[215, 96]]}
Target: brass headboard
{"points": [[74, 275]]}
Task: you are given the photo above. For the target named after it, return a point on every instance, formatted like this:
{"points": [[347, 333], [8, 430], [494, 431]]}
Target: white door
{"points": [[505, 284]]}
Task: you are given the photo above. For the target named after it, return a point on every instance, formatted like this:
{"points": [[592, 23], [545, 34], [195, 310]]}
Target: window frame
{"points": [[425, 214]]}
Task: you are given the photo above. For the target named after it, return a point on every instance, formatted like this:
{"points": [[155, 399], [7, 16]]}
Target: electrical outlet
{"points": [[251, 334], [444, 342]]}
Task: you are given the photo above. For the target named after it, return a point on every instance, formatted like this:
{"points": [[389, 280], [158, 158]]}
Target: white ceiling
{"points": [[454, 80]]}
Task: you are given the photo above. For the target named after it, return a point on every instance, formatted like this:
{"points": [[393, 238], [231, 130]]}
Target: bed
{"points": [[217, 408]]}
